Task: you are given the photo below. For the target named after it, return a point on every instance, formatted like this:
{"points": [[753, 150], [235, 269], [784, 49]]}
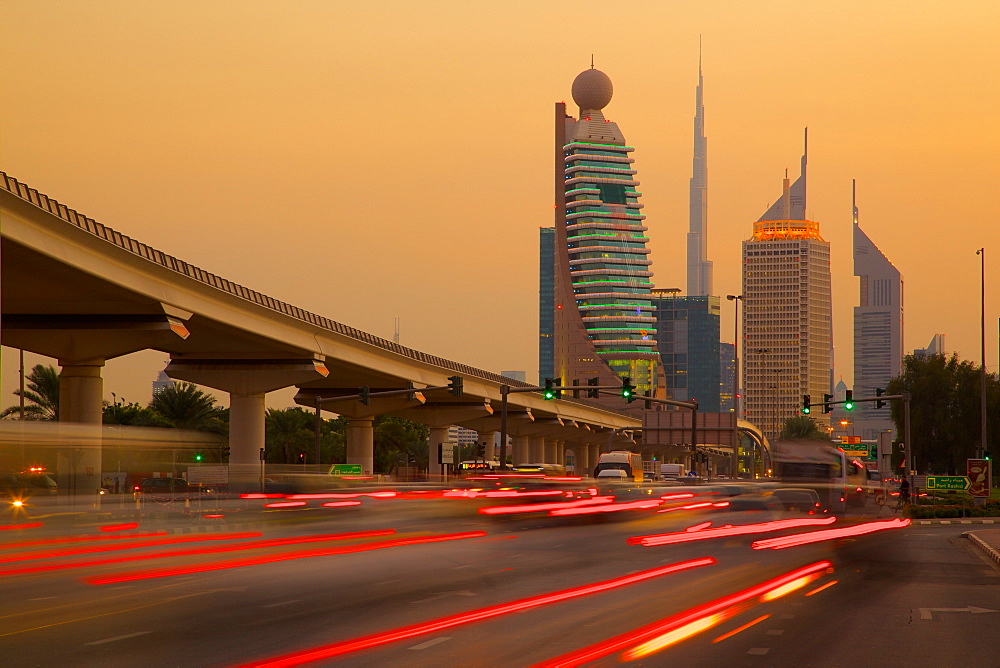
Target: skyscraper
{"points": [[687, 335], [878, 329], [546, 303], [604, 320], [699, 269], [786, 311]]}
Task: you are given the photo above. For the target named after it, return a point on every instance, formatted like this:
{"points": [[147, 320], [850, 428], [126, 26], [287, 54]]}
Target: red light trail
{"points": [[386, 637], [273, 558], [49, 554], [81, 539], [254, 545], [782, 542], [689, 622], [727, 530]]}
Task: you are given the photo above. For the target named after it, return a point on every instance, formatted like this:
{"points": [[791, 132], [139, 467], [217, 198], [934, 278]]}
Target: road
{"points": [[914, 596]]}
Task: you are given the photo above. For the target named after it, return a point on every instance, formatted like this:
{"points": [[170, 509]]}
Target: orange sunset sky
{"points": [[368, 160]]}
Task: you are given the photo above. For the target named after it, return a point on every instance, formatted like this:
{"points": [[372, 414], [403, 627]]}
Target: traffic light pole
{"points": [[506, 390]]}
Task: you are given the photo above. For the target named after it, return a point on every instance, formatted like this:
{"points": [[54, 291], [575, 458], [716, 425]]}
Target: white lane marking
{"points": [[775, 632], [43, 598], [127, 635], [275, 605], [387, 582], [122, 587], [759, 651], [446, 594], [463, 566], [431, 643]]}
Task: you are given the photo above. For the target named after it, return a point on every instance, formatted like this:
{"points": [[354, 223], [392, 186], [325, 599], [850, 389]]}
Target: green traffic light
{"points": [[197, 457], [849, 400], [806, 410]]}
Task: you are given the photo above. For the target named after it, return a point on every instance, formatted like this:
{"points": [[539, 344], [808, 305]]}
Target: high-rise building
{"points": [[604, 320], [699, 269], [687, 335], [546, 303], [727, 376], [787, 311], [162, 382], [935, 347], [878, 330]]}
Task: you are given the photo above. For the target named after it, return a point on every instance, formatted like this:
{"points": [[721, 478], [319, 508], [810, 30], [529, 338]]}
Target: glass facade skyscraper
{"points": [[546, 303], [687, 334], [878, 330], [604, 320]]}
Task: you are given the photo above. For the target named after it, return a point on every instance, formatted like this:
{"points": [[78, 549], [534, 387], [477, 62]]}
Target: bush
{"points": [[938, 511]]}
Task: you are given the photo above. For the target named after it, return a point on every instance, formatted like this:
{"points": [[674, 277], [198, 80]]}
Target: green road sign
{"points": [[959, 482], [346, 469]]}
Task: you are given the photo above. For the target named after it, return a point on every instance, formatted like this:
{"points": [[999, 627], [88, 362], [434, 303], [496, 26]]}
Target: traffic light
{"points": [[986, 455], [455, 385], [827, 398], [849, 400], [198, 456], [302, 458], [878, 393], [480, 450], [364, 395], [594, 394], [806, 400], [224, 451], [550, 392], [576, 392], [628, 389]]}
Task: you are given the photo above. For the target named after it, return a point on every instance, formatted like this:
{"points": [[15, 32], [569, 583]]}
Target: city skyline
{"points": [[228, 149]]}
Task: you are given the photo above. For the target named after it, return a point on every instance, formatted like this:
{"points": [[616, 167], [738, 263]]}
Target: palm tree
{"points": [[42, 393], [287, 433], [184, 406]]}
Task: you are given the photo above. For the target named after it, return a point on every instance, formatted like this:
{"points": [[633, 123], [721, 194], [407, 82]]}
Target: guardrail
{"points": [[71, 216]]}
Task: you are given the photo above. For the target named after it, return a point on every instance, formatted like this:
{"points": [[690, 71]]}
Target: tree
{"points": [[41, 395], [399, 440], [802, 427], [132, 415], [291, 431], [184, 406], [944, 411]]}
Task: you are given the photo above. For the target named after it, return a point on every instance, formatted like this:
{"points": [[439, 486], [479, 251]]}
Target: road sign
{"points": [[850, 439], [345, 469], [856, 453], [211, 475], [949, 482]]}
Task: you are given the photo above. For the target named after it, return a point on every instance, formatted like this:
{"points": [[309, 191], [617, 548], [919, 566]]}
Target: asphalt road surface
{"points": [[475, 596]]}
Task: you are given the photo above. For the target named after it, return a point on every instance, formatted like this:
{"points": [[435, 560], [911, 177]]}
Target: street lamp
{"points": [[982, 375], [735, 299]]}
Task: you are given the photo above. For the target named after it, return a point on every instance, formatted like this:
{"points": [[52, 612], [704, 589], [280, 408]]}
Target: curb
{"points": [[992, 553], [978, 520]]}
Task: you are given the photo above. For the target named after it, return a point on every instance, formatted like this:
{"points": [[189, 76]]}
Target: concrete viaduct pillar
{"points": [[489, 438], [520, 454], [361, 443], [81, 395], [536, 450]]}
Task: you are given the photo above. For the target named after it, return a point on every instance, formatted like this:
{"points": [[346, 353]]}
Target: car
{"points": [[164, 486], [801, 499]]}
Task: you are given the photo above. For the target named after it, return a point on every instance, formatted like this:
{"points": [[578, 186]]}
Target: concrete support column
{"points": [[246, 438], [361, 443], [519, 451], [595, 455], [434, 467], [489, 437], [536, 449], [81, 391], [583, 466], [551, 449]]}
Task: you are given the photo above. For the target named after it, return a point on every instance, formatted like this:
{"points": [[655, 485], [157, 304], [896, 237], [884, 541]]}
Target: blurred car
{"points": [[164, 486], [800, 499], [768, 505], [33, 481]]}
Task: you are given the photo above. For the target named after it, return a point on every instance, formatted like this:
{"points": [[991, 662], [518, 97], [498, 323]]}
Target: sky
{"points": [[368, 161]]}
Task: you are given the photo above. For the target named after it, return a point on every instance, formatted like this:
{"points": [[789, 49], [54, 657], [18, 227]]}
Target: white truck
{"points": [[670, 471]]}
